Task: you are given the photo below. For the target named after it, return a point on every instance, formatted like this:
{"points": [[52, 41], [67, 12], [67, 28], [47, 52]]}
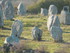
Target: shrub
{"points": [[45, 4]]}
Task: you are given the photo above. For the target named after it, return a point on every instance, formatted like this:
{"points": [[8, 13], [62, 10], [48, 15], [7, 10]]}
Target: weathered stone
{"points": [[53, 24], [52, 10], [65, 16], [44, 12], [17, 28], [21, 9], [56, 33], [3, 2], [36, 33], [0, 2], [9, 10], [12, 39], [1, 17], [56, 21], [49, 22], [53, 21], [52, 15], [55, 30], [66, 8]]}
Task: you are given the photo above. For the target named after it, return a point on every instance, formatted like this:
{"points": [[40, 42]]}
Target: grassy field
{"points": [[29, 22]]}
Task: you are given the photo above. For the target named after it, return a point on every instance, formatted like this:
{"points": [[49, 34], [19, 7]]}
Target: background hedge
{"points": [[35, 8]]}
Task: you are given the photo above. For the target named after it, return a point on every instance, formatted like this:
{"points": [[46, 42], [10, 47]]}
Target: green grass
{"points": [[29, 22]]}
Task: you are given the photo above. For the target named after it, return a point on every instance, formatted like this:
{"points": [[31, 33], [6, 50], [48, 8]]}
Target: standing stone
{"points": [[56, 33], [44, 12], [1, 17], [17, 28], [65, 16], [36, 33], [21, 9], [9, 11], [52, 10], [66, 8], [0, 2], [3, 3], [11, 40], [55, 30], [53, 24], [51, 21]]}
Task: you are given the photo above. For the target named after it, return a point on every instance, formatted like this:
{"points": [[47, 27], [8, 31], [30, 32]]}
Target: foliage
{"points": [[46, 3]]}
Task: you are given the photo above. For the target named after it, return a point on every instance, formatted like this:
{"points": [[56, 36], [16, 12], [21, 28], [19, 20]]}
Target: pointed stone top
{"points": [[20, 5]]}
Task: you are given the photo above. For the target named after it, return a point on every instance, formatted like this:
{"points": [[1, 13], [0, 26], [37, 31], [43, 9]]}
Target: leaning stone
{"points": [[11, 40], [17, 28]]}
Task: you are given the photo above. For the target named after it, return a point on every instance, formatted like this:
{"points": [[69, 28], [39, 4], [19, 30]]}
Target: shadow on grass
{"points": [[44, 41], [3, 36], [66, 32], [68, 43], [4, 28], [22, 38]]}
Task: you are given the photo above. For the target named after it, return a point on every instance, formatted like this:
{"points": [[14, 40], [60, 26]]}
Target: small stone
{"points": [[36, 33], [44, 12]]}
